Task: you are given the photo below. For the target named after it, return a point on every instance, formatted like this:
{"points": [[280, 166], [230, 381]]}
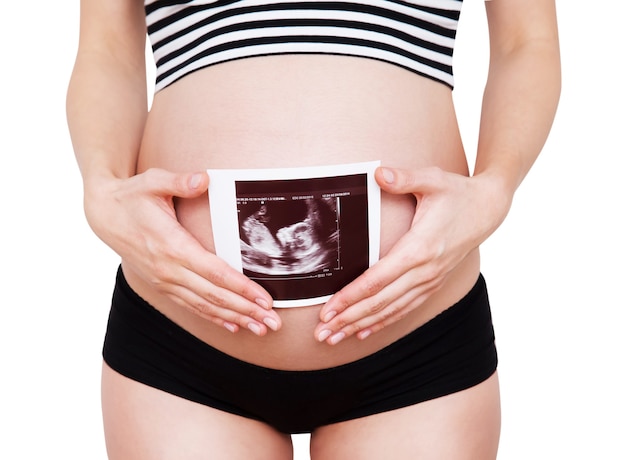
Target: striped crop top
{"points": [[187, 35]]}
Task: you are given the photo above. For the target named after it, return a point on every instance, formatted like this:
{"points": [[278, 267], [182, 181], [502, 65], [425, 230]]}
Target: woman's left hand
{"points": [[454, 215]]}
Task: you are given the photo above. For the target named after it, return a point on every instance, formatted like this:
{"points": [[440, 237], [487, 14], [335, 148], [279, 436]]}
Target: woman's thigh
{"points": [[143, 423], [460, 426]]}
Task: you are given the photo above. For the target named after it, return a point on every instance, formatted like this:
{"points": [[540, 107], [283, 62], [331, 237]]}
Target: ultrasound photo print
{"points": [[301, 238]]}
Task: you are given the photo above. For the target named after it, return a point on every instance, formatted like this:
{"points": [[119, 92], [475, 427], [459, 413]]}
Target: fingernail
{"points": [[364, 334], [262, 303], [388, 176], [195, 180], [323, 335], [330, 315], [335, 339], [271, 323], [231, 327], [255, 328]]}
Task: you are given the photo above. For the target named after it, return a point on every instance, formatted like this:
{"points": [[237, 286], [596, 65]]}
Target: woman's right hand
{"points": [[136, 218]]}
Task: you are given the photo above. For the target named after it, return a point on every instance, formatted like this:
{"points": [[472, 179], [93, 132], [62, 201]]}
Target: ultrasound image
{"points": [[303, 238], [290, 237]]}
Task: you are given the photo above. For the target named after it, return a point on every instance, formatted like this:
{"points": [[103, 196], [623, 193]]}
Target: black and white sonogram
{"points": [[303, 238]]}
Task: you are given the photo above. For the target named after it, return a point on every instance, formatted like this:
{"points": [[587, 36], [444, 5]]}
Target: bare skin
{"points": [[143, 171]]}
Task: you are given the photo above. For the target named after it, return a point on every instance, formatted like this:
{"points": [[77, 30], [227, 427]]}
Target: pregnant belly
{"points": [[270, 121]]}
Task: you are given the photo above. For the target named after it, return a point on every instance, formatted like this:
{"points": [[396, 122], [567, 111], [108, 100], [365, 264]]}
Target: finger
{"points": [[361, 314], [238, 286], [364, 321], [224, 307], [183, 185], [228, 289], [183, 250], [403, 181], [403, 257], [367, 285], [187, 301], [353, 303], [397, 310], [185, 263]]}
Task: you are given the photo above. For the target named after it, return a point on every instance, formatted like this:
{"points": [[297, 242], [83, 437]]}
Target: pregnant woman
{"points": [[400, 362]]}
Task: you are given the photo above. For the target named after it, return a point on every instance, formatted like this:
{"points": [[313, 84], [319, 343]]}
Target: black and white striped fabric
{"points": [[188, 35]]}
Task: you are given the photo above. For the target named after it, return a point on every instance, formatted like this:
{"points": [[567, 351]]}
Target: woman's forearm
{"points": [[106, 113], [106, 97], [519, 105]]}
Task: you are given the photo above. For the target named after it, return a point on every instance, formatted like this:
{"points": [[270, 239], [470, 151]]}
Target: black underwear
{"points": [[452, 352]]}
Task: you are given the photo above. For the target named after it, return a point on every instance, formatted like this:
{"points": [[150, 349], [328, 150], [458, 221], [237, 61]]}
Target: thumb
{"points": [[182, 185], [198, 183], [403, 181]]}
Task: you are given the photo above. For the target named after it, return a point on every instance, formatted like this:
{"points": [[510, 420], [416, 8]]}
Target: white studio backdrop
{"points": [[554, 268]]}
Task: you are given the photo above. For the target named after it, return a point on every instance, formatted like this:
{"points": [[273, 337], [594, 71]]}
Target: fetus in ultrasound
{"points": [[293, 237], [258, 234]]}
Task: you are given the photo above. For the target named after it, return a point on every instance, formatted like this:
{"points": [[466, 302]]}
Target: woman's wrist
{"points": [[98, 165], [497, 190]]}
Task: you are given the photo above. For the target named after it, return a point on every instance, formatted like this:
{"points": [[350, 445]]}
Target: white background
{"points": [[555, 269]]}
